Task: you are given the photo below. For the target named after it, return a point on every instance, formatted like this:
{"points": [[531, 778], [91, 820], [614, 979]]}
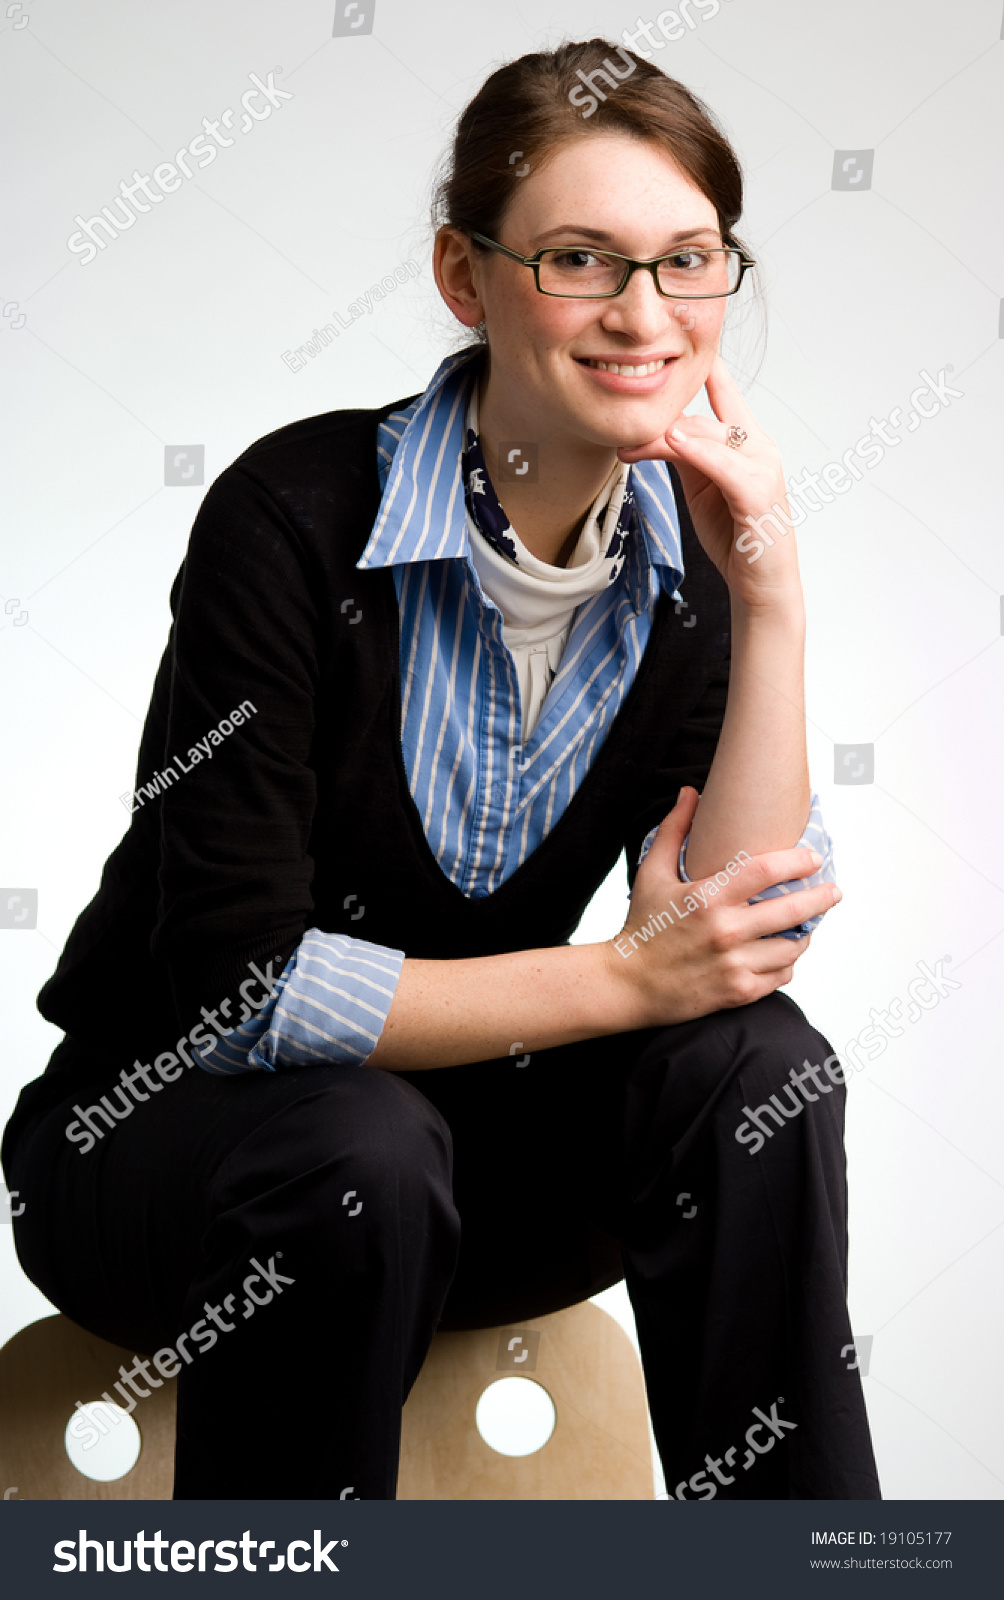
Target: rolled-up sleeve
{"points": [[328, 1008], [814, 837]]}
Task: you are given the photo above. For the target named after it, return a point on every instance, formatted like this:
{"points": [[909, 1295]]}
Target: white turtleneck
{"points": [[537, 600]]}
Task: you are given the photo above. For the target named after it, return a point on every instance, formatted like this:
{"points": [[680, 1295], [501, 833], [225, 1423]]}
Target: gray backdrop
{"points": [[870, 134]]}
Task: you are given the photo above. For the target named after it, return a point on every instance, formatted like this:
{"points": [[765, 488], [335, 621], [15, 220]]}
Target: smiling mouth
{"points": [[626, 369]]}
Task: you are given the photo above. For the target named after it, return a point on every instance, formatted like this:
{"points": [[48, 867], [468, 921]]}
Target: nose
{"points": [[639, 311]]}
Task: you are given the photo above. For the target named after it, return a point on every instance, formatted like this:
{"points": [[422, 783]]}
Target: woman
{"points": [[431, 669]]}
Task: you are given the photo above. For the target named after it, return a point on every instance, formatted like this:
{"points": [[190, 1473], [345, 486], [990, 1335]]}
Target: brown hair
{"points": [[530, 106]]}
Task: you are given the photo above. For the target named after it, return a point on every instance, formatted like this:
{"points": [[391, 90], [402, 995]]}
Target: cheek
{"points": [[551, 320], [701, 323], [704, 336], [535, 328]]}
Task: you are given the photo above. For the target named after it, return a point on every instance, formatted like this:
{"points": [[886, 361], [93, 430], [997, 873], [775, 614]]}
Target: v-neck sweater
{"points": [[307, 816]]}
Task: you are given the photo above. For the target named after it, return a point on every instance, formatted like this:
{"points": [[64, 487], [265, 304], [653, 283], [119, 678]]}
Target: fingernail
{"points": [[838, 894], [815, 858], [678, 434]]}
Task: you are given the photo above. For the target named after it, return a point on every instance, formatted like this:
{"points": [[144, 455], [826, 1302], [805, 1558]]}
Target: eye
{"points": [[577, 260], [691, 260]]}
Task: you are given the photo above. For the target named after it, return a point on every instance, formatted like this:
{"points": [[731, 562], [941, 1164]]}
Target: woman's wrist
{"points": [[780, 609], [624, 1004]]}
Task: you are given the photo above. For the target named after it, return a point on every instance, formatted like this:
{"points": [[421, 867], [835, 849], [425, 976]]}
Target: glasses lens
{"points": [[579, 272], [700, 272]]}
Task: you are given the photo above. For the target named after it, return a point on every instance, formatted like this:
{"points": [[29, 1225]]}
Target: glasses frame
{"points": [[631, 265]]}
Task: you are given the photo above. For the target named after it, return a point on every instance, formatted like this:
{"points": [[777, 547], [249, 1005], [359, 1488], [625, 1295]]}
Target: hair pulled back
{"points": [[524, 111]]}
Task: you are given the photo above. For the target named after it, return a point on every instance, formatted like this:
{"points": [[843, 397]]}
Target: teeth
{"points": [[626, 371]]}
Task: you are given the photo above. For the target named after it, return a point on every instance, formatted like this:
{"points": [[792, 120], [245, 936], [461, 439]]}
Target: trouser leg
{"points": [[534, 1176], [309, 1399], [736, 1261], [305, 1219]]}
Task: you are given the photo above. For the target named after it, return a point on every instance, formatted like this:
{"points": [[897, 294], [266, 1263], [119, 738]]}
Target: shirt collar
{"points": [[422, 515]]}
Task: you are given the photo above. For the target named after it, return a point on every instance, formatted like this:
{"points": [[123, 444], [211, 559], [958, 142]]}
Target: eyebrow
{"points": [[602, 237]]}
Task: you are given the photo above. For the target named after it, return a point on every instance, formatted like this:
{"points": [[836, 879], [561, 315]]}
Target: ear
{"points": [[457, 272]]}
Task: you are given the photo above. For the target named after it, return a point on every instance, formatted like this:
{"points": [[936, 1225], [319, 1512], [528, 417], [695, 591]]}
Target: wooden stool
{"points": [[44, 1370], [598, 1450]]}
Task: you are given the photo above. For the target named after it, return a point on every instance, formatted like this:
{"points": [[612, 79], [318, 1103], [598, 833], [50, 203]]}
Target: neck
{"points": [[548, 513]]}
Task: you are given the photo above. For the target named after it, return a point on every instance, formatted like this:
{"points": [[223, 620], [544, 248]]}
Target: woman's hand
{"points": [[694, 961], [724, 486]]}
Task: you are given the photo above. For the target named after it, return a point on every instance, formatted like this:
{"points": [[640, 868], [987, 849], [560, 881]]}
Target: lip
{"points": [[618, 383]]}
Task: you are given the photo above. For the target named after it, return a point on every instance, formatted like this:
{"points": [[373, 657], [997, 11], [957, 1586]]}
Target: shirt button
{"points": [[498, 794]]}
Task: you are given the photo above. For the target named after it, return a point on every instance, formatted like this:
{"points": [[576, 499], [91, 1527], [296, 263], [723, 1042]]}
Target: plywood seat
{"points": [[598, 1450], [44, 1370]]}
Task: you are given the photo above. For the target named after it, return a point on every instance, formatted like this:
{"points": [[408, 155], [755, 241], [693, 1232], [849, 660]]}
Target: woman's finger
{"points": [[698, 427], [783, 911], [774, 955], [726, 399], [664, 850], [758, 873], [657, 450], [692, 427], [725, 466], [685, 450]]}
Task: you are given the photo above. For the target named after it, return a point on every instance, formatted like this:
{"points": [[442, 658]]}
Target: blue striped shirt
{"points": [[486, 800]]}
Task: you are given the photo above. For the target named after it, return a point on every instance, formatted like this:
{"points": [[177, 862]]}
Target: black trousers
{"points": [[323, 1222]]}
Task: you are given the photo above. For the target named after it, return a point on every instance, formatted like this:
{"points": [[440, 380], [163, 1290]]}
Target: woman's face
{"points": [[620, 193]]}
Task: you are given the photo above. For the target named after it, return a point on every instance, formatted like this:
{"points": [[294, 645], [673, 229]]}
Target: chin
{"points": [[630, 433]]}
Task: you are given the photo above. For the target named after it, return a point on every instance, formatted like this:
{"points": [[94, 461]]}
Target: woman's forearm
{"points": [[670, 963], [446, 1013], [757, 793]]}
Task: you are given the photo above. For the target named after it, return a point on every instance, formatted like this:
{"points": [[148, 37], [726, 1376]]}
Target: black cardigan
{"points": [[307, 803]]}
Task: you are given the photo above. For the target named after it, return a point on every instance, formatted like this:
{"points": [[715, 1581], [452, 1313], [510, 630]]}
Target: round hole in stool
{"points": [[102, 1441], [515, 1416]]}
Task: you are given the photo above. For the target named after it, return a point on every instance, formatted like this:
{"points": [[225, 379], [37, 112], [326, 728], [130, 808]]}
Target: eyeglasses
{"points": [[578, 272]]}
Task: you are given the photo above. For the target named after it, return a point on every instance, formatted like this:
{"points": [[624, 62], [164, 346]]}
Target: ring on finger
{"points": [[736, 437]]}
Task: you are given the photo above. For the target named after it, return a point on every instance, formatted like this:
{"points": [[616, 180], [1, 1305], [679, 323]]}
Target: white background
{"points": [[174, 336]]}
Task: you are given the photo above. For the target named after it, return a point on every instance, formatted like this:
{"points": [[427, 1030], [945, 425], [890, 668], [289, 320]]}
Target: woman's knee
{"points": [[787, 1069], [731, 1059], [342, 1140]]}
